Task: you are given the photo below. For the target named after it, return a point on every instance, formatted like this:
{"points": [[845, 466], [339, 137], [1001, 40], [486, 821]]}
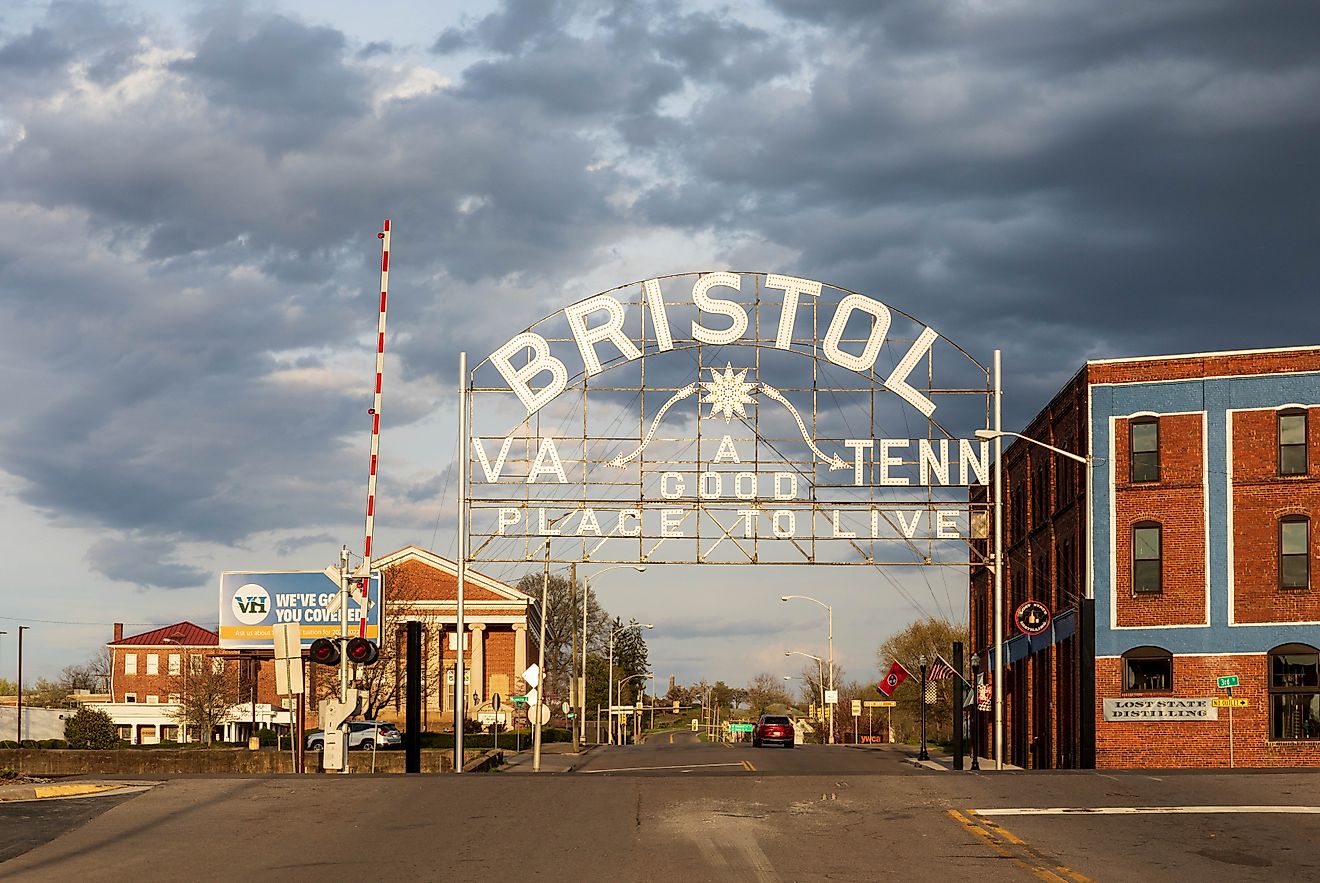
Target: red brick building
{"points": [[149, 672], [497, 643], [1203, 492]]}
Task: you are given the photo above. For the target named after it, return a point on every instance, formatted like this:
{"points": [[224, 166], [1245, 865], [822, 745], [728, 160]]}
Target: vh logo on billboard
{"points": [[251, 604]]}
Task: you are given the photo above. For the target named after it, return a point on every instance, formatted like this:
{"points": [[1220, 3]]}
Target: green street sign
{"points": [[518, 700], [741, 728], [1228, 681]]}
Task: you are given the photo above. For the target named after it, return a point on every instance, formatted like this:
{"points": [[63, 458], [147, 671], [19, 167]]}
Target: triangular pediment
{"points": [[424, 576]]}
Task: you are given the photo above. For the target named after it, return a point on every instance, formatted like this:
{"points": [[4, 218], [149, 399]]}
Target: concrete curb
{"points": [[485, 763], [40, 792]]}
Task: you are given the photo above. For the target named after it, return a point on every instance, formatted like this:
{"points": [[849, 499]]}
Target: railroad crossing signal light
{"points": [[324, 651], [362, 652], [675, 706]]}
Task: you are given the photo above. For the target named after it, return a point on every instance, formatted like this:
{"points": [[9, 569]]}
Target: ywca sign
{"points": [[726, 418]]}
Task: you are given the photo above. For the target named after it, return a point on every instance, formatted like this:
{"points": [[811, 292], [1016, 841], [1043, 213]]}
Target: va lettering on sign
{"points": [[726, 418]]}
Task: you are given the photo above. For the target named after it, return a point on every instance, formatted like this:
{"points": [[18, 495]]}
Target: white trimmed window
{"points": [[130, 697], [130, 663], [153, 700], [217, 666], [176, 664], [153, 663]]}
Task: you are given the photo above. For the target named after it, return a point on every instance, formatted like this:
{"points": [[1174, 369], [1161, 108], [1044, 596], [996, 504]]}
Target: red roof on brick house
{"points": [[185, 633]]}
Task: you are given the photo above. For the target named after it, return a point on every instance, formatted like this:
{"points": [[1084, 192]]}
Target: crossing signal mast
{"points": [[358, 650]]}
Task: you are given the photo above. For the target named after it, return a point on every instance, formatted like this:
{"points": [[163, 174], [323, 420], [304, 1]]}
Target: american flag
{"points": [[940, 671]]}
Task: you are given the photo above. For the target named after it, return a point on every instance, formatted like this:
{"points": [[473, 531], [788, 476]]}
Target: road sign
{"points": [[518, 700], [857, 708], [831, 697], [495, 701], [542, 710], [1229, 702], [695, 726], [741, 728], [880, 703], [565, 707], [1226, 682], [675, 706], [533, 675]]}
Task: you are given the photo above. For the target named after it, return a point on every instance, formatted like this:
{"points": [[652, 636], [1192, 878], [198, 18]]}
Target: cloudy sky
{"points": [[190, 192]]}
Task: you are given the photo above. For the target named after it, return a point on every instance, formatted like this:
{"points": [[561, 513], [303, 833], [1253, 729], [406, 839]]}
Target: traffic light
{"points": [[362, 652], [324, 651]]}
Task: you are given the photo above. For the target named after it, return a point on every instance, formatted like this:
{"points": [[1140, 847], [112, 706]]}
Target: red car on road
{"points": [[773, 728]]}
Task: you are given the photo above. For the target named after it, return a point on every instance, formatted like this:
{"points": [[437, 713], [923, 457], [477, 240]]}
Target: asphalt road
{"points": [[681, 753], [824, 813]]}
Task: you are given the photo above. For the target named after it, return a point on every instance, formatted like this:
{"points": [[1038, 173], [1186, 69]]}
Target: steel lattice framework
{"points": [[726, 418]]}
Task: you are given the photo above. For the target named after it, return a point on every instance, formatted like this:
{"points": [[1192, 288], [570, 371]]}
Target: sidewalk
{"points": [[45, 790], [556, 757], [940, 762]]}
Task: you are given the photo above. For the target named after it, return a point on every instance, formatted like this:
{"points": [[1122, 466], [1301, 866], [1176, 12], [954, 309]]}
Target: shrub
{"points": [[90, 728], [266, 737], [52, 743]]}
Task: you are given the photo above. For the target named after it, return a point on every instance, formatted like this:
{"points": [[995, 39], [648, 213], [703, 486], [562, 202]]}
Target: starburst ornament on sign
{"points": [[727, 392]]}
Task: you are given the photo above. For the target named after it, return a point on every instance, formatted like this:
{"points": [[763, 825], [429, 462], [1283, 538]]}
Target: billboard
{"points": [[251, 602]]}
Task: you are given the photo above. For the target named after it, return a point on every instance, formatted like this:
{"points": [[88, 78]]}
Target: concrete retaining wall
{"points": [[154, 761], [38, 723]]}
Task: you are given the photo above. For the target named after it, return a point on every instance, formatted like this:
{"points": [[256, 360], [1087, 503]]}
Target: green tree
{"points": [[90, 728], [563, 626], [926, 637]]}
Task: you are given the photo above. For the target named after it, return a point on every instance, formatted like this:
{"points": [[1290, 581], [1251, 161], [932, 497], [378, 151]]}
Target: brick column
{"points": [[519, 656], [478, 663]]}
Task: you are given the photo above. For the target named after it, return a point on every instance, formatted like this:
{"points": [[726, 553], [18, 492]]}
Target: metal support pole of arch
{"points": [[999, 569]]}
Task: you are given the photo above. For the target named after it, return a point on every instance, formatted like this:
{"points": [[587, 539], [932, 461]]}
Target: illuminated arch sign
{"points": [[728, 418]]}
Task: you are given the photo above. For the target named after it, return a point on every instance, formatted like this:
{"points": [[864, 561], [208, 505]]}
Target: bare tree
{"points": [[207, 688], [766, 692]]}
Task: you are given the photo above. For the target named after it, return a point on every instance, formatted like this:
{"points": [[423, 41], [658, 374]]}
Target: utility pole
{"points": [[576, 687], [21, 630]]}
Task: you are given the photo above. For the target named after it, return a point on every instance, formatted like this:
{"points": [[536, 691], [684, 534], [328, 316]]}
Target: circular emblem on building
{"points": [[1032, 617], [250, 604]]}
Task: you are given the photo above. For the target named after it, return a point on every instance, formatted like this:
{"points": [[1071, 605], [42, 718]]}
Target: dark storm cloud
{"points": [[288, 81], [1108, 177], [188, 251], [375, 48], [145, 562]]}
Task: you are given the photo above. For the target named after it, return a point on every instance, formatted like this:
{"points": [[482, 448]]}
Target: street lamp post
{"points": [[996, 435], [923, 754], [820, 678], [976, 715], [586, 593], [619, 690], [183, 724], [829, 650], [613, 635]]}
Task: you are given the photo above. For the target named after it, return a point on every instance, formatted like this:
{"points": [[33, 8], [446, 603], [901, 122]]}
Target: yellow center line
{"points": [[1022, 854], [747, 764]]}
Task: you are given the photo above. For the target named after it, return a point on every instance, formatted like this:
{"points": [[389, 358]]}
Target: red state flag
{"points": [[897, 675]]}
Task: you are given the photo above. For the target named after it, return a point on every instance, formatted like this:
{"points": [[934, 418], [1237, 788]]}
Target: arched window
{"points": [[1294, 692], [1292, 442], [1147, 670], [1147, 558], [1144, 447], [1294, 552]]}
